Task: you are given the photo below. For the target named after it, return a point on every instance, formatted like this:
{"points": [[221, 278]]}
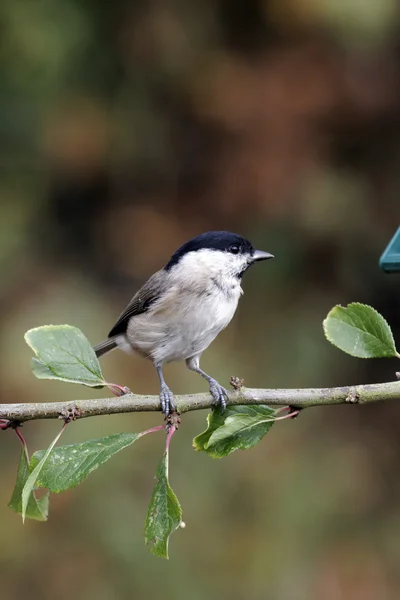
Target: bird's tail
{"points": [[105, 347]]}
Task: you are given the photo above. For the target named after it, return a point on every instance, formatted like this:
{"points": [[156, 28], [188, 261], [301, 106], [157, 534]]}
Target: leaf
{"points": [[215, 419], [36, 509], [164, 514], [64, 353], [238, 428], [69, 465], [359, 330], [31, 480]]}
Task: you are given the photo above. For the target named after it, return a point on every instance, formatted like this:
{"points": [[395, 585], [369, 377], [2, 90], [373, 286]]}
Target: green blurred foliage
{"points": [[126, 128]]}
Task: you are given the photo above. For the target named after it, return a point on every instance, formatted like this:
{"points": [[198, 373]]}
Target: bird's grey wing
{"points": [[141, 301]]}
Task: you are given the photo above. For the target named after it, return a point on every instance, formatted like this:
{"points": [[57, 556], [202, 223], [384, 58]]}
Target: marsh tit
{"points": [[182, 308]]}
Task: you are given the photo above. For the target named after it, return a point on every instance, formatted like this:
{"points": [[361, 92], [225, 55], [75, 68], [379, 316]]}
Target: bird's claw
{"points": [[167, 400], [219, 394]]}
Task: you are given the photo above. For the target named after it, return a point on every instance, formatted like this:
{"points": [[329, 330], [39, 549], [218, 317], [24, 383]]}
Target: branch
{"points": [[301, 398]]}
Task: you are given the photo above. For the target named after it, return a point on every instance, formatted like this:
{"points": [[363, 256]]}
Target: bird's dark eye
{"points": [[234, 249]]}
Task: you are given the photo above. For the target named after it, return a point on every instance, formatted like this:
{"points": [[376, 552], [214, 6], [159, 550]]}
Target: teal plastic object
{"points": [[390, 259]]}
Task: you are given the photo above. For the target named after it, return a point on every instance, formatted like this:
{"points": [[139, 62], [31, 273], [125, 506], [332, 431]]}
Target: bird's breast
{"points": [[182, 324]]}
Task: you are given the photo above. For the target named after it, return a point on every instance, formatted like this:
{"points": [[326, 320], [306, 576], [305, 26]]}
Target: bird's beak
{"points": [[261, 255]]}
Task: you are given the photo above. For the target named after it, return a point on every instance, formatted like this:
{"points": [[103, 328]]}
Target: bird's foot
{"points": [[219, 394], [167, 400]]}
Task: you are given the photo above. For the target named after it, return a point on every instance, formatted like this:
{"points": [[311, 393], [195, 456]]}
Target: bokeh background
{"points": [[126, 128]]}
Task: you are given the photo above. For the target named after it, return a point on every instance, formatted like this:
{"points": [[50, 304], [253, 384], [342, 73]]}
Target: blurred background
{"points": [[125, 129]]}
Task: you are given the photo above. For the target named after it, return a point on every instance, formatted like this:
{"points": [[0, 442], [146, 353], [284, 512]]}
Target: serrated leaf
{"points": [[164, 514], [64, 353], [238, 428], [69, 465], [41, 371], [33, 476], [36, 509], [241, 429], [215, 419], [359, 330]]}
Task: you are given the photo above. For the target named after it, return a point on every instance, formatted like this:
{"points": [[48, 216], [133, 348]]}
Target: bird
{"points": [[182, 308]]}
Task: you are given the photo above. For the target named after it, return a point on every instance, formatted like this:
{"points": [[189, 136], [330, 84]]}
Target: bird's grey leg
{"points": [[218, 392], [166, 396]]}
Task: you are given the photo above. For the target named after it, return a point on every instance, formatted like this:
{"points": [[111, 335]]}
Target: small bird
{"points": [[182, 308]]}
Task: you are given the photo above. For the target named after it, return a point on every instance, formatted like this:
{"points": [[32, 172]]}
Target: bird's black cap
{"points": [[212, 240]]}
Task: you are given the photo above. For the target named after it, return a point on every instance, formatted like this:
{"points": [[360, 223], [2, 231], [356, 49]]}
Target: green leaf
{"points": [[36, 509], [215, 419], [31, 480], [69, 465], [164, 514], [359, 330], [238, 428], [64, 353]]}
